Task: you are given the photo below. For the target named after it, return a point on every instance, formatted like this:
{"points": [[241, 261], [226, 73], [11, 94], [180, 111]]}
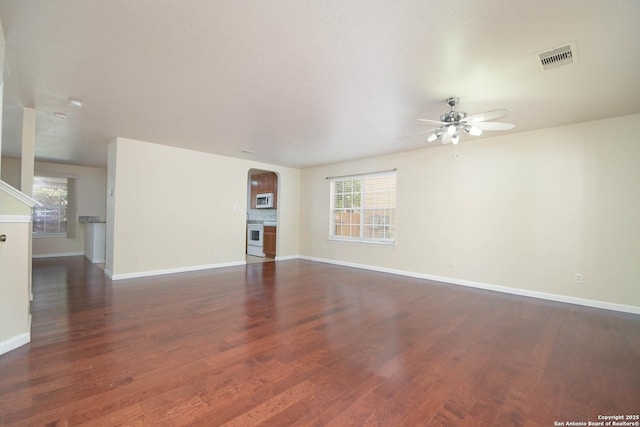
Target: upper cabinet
{"points": [[254, 190], [266, 182]]}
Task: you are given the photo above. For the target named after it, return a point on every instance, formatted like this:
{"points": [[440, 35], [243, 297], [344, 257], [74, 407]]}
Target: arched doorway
{"points": [[262, 216]]}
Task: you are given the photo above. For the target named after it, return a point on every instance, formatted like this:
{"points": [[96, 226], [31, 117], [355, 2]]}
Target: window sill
{"points": [[364, 242], [43, 235]]}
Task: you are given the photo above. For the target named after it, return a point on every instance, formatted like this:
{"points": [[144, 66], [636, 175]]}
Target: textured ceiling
{"points": [[304, 83]]}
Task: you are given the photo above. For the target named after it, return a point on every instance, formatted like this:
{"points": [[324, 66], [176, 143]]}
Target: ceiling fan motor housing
{"points": [[453, 116]]}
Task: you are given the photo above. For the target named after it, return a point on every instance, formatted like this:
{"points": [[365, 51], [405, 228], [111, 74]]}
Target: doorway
{"points": [[262, 216]]}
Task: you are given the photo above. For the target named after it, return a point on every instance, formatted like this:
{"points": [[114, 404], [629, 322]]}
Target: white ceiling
{"points": [[304, 82]]}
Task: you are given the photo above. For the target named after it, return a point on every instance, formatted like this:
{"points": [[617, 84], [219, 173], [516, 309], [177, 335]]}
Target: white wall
{"points": [[112, 150], [10, 171], [92, 184], [15, 321], [525, 211], [15, 256], [2, 49], [176, 209], [27, 167]]}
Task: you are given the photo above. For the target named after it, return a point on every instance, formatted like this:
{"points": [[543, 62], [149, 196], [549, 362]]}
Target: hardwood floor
{"points": [[298, 343]]}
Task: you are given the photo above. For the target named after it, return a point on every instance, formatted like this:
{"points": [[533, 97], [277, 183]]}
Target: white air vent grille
{"points": [[556, 57]]}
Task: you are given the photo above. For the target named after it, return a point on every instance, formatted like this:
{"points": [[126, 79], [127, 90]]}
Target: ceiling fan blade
{"points": [[488, 115], [493, 126], [418, 133], [446, 138], [433, 122]]}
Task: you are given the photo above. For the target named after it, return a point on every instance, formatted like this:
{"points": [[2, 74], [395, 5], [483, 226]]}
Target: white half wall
{"points": [[15, 269], [171, 209], [525, 211]]}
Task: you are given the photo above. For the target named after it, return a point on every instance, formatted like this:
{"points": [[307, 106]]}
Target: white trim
{"points": [[63, 254], [19, 195], [15, 218], [486, 286], [49, 235], [14, 342], [96, 260], [173, 270], [287, 258], [363, 241]]}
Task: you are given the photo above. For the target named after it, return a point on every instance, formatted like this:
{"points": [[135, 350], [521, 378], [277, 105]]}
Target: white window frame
{"points": [[71, 185], [362, 208]]}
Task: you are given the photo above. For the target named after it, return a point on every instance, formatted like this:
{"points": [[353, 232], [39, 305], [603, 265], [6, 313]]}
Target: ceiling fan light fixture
{"points": [[433, 137], [473, 131], [452, 130]]}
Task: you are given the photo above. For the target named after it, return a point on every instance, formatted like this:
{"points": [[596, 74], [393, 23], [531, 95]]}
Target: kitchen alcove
{"points": [[262, 215]]}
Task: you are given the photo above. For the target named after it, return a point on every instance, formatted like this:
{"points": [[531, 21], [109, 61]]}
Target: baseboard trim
{"points": [[64, 254], [14, 342], [486, 286], [287, 258], [172, 270]]}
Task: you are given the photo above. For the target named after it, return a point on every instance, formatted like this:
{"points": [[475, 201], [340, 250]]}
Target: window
{"points": [[363, 208], [52, 216]]}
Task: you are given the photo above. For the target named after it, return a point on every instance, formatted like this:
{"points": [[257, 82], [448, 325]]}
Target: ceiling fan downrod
{"points": [[453, 116]]}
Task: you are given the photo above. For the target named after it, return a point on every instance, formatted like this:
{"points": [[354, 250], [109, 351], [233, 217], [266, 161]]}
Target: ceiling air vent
{"points": [[556, 57]]}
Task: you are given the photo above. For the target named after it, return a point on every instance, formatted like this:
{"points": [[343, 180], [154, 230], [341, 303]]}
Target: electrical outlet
{"points": [[578, 277], [452, 263]]}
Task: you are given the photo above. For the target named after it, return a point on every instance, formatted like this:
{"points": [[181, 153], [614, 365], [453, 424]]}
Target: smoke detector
{"points": [[74, 102], [557, 56]]}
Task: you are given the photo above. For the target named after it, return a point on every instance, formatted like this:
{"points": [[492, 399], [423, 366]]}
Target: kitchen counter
{"points": [[266, 223]]}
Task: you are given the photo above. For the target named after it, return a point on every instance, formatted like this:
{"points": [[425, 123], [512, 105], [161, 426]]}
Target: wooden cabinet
{"points": [[264, 183], [254, 190], [269, 242]]}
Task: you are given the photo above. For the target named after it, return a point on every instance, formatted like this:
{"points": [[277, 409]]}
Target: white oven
{"points": [[255, 233]]}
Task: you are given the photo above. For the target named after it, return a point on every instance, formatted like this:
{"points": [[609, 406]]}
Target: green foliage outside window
{"points": [[51, 217]]}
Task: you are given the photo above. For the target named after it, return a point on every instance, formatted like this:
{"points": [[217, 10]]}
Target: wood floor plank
{"points": [[266, 410], [299, 343]]}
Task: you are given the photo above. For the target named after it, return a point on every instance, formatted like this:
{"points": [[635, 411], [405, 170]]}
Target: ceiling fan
{"points": [[452, 124]]}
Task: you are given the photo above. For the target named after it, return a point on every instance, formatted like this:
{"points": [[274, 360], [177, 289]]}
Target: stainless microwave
{"points": [[264, 201]]}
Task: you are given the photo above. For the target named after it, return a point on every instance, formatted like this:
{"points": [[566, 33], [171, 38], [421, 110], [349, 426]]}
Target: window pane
{"points": [[355, 218], [357, 199], [348, 200], [364, 207], [53, 194]]}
